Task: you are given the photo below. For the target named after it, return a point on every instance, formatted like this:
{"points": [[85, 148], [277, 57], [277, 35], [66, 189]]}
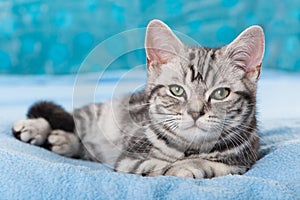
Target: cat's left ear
{"points": [[161, 44], [247, 51]]}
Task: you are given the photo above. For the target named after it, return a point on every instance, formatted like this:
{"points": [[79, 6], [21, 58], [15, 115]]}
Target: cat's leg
{"points": [[141, 166], [66, 144], [186, 168], [148, 166], [38, 132], [156, 167], [33, 131], [200, 168]]}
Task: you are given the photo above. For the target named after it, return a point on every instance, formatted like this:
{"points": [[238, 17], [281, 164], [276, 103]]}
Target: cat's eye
{"points": [[177, 90], [220, 93]]}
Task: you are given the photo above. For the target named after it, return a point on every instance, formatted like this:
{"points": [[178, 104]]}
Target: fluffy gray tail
{"points": [[57, 117]]}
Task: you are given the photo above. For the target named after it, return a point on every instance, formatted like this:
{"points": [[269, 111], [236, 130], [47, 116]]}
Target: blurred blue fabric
{"points": [[54, 37]]}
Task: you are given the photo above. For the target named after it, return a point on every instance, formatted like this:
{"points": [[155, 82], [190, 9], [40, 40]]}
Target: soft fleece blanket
{"points": [[30, 172]]}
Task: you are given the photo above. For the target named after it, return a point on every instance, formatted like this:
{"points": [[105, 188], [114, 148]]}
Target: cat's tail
{"points": [[57, 117]]}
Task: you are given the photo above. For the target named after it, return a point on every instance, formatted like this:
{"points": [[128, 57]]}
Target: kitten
{"points": [[195, 118]]}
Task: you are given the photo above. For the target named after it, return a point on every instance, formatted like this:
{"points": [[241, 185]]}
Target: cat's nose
{"points": [[195, 114]]}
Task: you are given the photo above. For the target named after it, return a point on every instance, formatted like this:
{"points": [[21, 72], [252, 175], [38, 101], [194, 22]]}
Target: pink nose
{"points": [[196, 114]]}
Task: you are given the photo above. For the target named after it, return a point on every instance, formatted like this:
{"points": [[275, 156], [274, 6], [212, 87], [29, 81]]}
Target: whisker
{"points": [[240, 139], [246, 127]]}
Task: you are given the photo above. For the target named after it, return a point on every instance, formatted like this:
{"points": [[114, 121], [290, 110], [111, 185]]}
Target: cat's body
{"points": [[195, 118]]}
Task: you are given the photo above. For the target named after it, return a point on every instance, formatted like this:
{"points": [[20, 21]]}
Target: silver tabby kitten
{"points": [[195, 117]]}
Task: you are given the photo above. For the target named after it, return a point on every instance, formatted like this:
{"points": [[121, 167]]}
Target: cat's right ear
{"points": [[161, 44], [247, 51]]}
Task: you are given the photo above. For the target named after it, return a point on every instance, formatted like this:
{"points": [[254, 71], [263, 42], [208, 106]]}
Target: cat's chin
{"points": [[196, 133], [194, 129]]}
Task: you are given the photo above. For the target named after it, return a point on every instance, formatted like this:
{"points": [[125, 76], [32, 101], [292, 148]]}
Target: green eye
{"points": [[177, 90], [220, 93]]}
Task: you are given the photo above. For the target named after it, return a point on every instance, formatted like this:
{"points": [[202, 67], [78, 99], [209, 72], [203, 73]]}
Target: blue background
{"points": [[54, 37]]}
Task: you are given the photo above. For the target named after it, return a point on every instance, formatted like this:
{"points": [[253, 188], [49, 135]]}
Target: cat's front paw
{"points": [[185, 172], [64, 143], [33, 131]]}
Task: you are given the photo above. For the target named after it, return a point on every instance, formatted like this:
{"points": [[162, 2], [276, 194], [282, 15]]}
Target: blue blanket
{"points": [[30, 172]]}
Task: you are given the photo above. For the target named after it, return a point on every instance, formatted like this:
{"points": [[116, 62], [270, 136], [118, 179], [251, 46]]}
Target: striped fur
{"points": [[155, 132]]}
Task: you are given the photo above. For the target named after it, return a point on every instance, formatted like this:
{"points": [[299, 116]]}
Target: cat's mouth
{"points": [[194, 127]]}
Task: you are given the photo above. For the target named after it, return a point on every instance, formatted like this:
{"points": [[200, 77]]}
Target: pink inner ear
{"points": [[154, 58], [247, 49], [256, 56], [161, 44]]}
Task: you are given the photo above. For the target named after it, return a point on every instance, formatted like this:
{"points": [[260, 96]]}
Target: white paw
{"points": [[64, 143], [33, 131], [185, 172]]}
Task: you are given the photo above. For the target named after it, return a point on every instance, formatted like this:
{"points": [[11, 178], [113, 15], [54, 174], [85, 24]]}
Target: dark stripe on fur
{"points": [[155, 89], [190, 152], [195, 75], [159, 135], [192, 56], [245, 95], [208, 70], [234, 138], [139, 145], [136, 166]]}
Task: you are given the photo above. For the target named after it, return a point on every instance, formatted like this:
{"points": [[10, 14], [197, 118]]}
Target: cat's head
{"points": [[196, 92]]}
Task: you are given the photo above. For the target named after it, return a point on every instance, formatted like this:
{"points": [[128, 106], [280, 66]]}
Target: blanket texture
{"points": [[30, 172]]}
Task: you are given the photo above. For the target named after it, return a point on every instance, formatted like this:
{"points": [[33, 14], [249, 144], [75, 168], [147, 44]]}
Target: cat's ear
{"points": [[247, 51], [161, 44]]}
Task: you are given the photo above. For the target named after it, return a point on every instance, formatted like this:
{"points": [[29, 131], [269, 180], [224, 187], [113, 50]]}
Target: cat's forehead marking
{"points": [[200, 71], [195, 74], [213, 54], [197, 63]]}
